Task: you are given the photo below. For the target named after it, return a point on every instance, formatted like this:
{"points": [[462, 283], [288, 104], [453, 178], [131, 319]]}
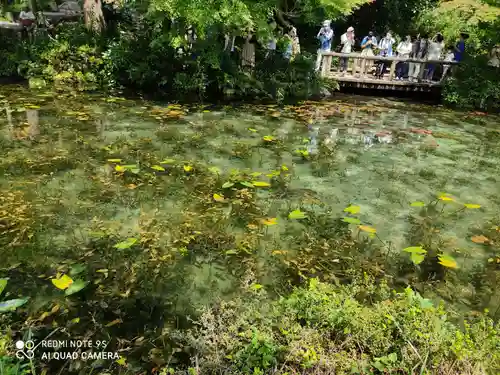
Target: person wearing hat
{"points": [[325, 36], [347, 41]]}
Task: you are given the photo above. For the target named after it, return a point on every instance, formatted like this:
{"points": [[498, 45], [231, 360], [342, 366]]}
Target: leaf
{"points": [[231, 252], [417, 204], [367, 229], [131, 186], [352, 209], [246, 183], [252, 130], [268, 138], [129, 242], [75, 287], [158, 168], [188, 168], [393, 357], [270, 221], [256, 286], [261, 183], [12, 304], [444, 197], [122, 361], [425, 303], [63, 282], [3, 284], [415, 250], [120, 168], [75, 320], [447, 261], [76, 269], [297, 214], [480, 239], [417, 258], [115, 160], [472, 205], [218, 198], [113, 323], [227, 185], [215, 170], [351, 220], [167, 161]]}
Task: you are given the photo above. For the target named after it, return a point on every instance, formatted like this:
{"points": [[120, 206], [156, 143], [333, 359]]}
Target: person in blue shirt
{"points": [[325, 36], [460, 47]]}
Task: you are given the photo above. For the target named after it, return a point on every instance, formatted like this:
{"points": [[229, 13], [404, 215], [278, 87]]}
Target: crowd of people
{"points": [[420, 47]]}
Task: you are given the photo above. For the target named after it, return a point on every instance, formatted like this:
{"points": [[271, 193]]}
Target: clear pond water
{"points": [[62, 151]]}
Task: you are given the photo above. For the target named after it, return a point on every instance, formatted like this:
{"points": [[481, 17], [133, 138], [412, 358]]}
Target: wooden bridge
{"points": [[359, 72]]}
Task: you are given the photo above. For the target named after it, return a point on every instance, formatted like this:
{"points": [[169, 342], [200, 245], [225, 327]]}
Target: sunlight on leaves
{"points": [[122, 361], [268, 138], [351, 220], [227, 185], [352, 209], [115, 160], [445, 197], [472, 205], [417, 258], [167, 161], [417, 204], [63, 282], [367, 229], [480, 239], [297, 214], [447, 261], [260, 183], [270, 221], [120, 168], [252, 130], [129, 242], [415, 250], [218, 198], [188, 168]]}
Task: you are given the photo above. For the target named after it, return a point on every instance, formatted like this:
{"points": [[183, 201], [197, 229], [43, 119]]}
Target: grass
{"points": [[193, 241]]}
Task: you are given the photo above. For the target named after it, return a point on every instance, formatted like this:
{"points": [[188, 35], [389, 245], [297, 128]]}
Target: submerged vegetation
{"points": [[250, 240]]}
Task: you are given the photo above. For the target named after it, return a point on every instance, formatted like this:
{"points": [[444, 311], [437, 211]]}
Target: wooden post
{"points": [[326, 65], [393, 68], [362, 72]]}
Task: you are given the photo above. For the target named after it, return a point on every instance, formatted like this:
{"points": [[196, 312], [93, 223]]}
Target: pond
{"points": [[115, 184]]}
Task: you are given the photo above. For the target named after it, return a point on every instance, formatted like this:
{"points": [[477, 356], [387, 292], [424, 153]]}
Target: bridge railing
{"points": [[359, 66]]}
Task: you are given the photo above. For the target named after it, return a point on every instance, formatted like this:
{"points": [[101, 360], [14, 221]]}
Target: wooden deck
{"points": [[359, 72]]}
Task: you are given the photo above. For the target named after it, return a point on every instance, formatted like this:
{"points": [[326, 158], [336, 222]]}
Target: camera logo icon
{"points": [[25, 349]]}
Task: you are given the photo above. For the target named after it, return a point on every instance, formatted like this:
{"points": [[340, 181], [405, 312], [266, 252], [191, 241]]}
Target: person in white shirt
{"points": [[347, 41], [403, 50], [385, 50], [435, 51], [450, 56]]}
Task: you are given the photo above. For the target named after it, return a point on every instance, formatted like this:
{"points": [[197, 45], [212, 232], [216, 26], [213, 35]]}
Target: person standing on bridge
{"points": [[385, 47], [419, 51], [367, 44], [325, 36], [436, 47], [404, 50], [347, 41]]}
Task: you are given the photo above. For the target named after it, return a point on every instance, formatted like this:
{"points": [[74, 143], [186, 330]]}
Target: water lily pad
{"points": [[75, 287], [62, 282], [351, 220], [417, 204], [260, 183], [367, 229], [218, 198], [447, 261], [12, 304], [297, 214], [129, 242], [472, 205], [352, 209]]}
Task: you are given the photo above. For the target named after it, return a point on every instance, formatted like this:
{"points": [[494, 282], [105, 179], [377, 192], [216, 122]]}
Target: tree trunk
{"points": [[94, 19]]}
